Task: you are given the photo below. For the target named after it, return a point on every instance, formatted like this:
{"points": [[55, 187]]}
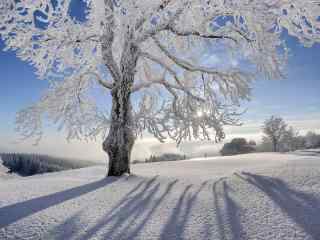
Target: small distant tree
{"points": [[252, 143], [289, 141], [282, 138], [275, 129], [312, 140], [301, 142]]}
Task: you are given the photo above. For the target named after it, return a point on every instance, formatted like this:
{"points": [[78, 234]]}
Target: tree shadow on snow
{"points": [[228, 222], [15, 212], [132, 213], [303, 208], [138, 206], [128, 217], [70, 228], [176, 224]]}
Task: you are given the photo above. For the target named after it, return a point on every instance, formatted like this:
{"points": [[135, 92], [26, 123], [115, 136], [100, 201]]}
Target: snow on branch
{"points": [[68, 105]]}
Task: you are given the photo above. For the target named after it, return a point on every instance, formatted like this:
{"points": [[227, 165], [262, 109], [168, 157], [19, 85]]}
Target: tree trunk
{"points": [[120, 140], [275, 145]]}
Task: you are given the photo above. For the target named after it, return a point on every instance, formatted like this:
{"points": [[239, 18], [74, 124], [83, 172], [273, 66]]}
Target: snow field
{"points": [[254, 196]]}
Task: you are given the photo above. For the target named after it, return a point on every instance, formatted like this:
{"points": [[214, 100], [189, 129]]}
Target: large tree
{"points": [[156, 48]]}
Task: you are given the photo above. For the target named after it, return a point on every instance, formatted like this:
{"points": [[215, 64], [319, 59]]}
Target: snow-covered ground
{"points": [[308, 152], [254, 196]]}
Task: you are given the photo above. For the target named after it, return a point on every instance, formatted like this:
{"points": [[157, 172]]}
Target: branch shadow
{"points": [[15, 212], [303, 208], [138, 205], [227, 212], [176, 224], [132, 213], [68, 228], [128, 217]]}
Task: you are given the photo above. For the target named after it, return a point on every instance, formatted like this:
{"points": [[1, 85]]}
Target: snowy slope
{"points": [[254, 196]]}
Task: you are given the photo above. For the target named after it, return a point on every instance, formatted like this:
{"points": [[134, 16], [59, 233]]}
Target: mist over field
{"points": [[56, 145]]}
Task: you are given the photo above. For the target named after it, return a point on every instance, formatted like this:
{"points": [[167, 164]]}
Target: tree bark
{"points": [[121, 137], [119, 143]]}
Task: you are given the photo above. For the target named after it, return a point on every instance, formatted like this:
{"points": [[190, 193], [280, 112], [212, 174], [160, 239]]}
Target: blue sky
{"points": [[295, 97]]}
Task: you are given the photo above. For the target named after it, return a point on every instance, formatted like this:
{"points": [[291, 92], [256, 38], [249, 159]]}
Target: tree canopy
{"points": [[179, 96]]}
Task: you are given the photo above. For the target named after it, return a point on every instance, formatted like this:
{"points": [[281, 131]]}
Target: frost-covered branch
{"points": [[178, 84], [70, 107], [103, 83], [107, 39]]}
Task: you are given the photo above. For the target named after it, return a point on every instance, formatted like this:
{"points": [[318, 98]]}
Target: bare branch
{"points": [[196, 33]]}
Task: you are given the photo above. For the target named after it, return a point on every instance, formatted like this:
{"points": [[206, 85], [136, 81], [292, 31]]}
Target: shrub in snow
{"points": [[237, 146], [252, 143]]}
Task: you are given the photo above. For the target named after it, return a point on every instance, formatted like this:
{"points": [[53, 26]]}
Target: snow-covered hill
{"points": [[255, 196]]}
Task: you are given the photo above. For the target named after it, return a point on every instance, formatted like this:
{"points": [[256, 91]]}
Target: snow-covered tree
{"points": [[312, 140], [275, 129], [150, 56], [290, 140]]}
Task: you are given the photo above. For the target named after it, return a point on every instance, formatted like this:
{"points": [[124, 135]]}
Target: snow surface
{"points": [[254, 196]]}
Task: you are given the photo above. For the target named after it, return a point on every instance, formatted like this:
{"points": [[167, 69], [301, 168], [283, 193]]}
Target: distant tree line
{"points": [[165, 157], [278, 137], [162, 158], [31, 164], [291, 142]]}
